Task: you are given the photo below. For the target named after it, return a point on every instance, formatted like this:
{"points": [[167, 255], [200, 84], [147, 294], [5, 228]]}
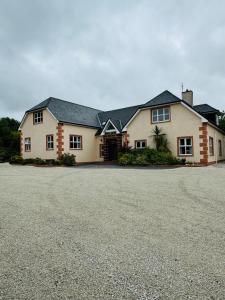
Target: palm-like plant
{"points": [[160, 140]]}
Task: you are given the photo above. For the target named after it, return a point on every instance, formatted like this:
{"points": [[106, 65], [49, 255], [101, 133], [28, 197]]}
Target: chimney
{"points": [[187, 96]]}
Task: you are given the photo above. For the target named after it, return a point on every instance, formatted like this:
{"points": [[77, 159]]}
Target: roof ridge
{"points": [[105, 111], [157, 96], [202, 104], [53, 98]]}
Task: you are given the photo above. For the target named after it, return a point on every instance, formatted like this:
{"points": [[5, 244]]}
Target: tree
{"points": [[9, 138], [160, 140], [222, 121]]}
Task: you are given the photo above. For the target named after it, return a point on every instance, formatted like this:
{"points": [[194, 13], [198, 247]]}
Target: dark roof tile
{"points": [[119, 117], [205, 109], [164, 98], [69, 112]]}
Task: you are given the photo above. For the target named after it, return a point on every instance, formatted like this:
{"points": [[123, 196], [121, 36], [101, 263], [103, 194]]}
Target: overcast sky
{"points": [[109, 54]]}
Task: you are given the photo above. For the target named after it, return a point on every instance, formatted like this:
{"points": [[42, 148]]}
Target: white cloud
{"points": [[109, 54]]}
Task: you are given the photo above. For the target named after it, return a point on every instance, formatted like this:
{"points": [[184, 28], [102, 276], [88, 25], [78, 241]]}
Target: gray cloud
{"points": [[109, 54]]}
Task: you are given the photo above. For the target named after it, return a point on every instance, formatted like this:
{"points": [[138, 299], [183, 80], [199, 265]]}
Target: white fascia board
{"points": [[52, 114], [99, 121], [195, 112], [21, 124], [216, 127], [144, 108], [24, 117], [106, 125], [128, 123]]}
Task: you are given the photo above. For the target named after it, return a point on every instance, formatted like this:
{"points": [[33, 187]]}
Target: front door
{"points": [[112, 149]]}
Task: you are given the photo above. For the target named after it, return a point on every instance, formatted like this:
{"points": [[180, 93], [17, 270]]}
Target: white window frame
{"points": [[141, 142], [185, 146], [75, 141], [161, 112], [27, 144], [211, 146], [50, 142], [38, 117]]}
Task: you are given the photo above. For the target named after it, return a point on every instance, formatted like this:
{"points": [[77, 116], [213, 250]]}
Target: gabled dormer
{"points": [[208, 112]]}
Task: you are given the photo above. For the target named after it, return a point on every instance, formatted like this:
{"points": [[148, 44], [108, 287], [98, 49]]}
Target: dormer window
{"points": [[161, 114], [38, 117]]}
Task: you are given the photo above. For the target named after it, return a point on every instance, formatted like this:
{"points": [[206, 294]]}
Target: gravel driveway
{"points": [[112, 233]]}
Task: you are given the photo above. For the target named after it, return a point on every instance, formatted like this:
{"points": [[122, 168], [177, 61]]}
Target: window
{"points": [[211, 146], [161, 115], [101, 150], [49, 142], [185, 146], [27, 144], [38, 117], [140, 144], [220, 147], [76, 142]]}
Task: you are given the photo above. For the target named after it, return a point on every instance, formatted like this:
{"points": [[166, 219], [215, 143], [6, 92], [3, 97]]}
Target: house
{"points": [[55, 126]]}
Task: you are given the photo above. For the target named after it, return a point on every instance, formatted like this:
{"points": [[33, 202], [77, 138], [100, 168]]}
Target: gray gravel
{"points": [[112, 233]]}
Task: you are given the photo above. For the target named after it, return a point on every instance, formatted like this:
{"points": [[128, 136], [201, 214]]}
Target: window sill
{"points": [[157, 122]]}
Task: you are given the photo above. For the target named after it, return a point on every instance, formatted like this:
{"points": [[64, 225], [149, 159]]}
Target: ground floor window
{"points": [[140, 144], [220, 147], [27, 144], [50, 142], [185, 146], [211, 146], [76, 142], [101, 150]]}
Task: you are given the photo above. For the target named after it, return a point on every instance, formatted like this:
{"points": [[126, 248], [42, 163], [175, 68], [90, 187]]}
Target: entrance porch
{"points": [[112, 146]]}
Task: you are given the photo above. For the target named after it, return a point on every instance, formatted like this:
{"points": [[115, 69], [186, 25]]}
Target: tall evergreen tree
{"points": [[9, 138]]}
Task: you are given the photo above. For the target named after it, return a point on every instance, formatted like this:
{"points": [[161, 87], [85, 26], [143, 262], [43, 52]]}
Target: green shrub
{"points": [[140, 159], [67, 159], [16, 159], [39, 161], [28, 161], [125, 159], [51, 162], [147, 156], [7, 153]]}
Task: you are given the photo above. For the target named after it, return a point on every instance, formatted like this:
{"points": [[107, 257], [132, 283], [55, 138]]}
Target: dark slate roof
{"points": [[119, 117], [69, 112], [205, 109], [164, 98]]}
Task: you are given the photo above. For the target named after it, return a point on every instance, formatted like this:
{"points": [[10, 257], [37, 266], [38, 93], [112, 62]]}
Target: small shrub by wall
{"points": [[67, 159], [147, 156]]}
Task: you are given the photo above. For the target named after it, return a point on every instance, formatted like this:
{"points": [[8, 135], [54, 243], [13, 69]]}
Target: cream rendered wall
{"points": [[183, 123], [38, 133], [216, 135], [89, 151]]}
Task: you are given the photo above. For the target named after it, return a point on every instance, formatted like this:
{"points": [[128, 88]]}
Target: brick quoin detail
{"points": [[60, 138], [203, 135], [126, 140]]}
